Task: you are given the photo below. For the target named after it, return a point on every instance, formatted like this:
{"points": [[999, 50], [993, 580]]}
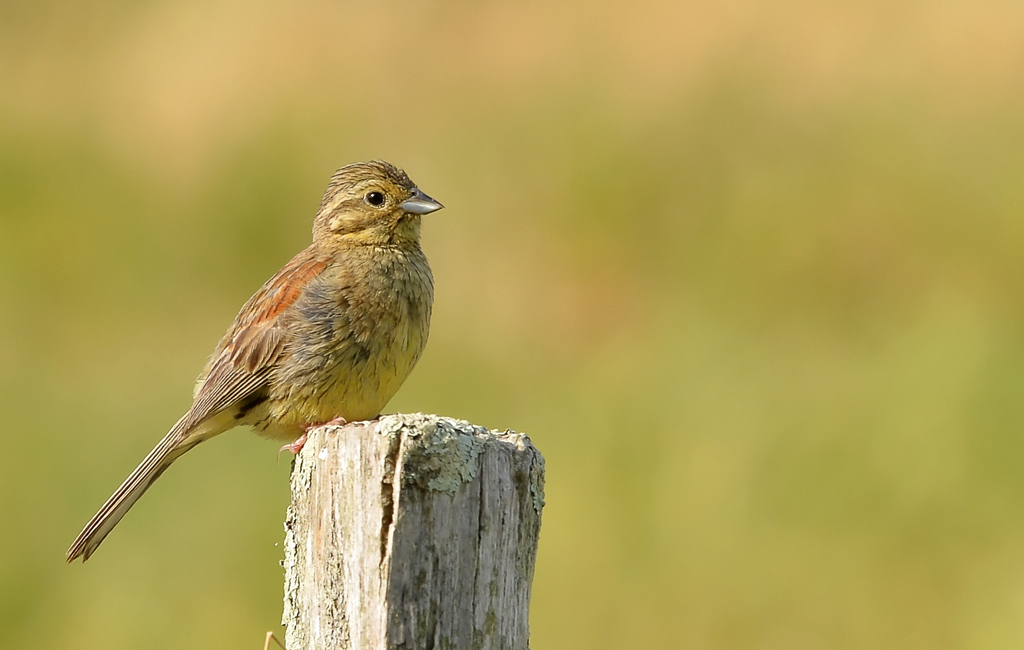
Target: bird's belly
{"points": [[347, 380]]}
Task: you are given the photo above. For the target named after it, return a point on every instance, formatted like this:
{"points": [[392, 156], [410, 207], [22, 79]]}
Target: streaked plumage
{"points": [[332, 335]]}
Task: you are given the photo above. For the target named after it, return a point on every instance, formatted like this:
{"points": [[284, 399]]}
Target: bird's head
{"points": [[372, 203]]}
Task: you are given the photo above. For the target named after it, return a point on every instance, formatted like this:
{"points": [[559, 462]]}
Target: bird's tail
{"points": [[177, 441]]}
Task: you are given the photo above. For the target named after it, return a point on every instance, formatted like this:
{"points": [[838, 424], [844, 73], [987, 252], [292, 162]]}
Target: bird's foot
{"points": [[336, 422], [294, 447]]}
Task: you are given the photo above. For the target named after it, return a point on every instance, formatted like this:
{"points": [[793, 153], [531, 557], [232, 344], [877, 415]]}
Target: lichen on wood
{"points": [[412, 531]]}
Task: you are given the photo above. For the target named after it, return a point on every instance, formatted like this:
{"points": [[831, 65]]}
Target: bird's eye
{"points": [[375, 198]]}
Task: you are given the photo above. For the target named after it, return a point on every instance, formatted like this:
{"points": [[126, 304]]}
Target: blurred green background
{"points": [[750, 274]]}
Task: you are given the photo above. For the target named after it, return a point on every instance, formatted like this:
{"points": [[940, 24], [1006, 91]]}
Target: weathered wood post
{"points": [[413, 531]]}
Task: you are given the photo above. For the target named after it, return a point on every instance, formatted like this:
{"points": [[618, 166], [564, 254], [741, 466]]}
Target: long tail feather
{"points": [[173, 445]]}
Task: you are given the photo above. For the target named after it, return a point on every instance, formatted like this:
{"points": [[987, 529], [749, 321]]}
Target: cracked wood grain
{"points": [[412, 532]]}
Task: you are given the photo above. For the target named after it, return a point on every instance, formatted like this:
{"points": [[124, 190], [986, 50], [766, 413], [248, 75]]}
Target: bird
{"points": [[330, 338]]}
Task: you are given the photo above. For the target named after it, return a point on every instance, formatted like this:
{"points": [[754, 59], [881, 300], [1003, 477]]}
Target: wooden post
{"points": [[412, 531]]}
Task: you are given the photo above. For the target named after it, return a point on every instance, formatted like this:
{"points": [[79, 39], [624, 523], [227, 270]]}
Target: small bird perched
{"points": [[330, 338]]}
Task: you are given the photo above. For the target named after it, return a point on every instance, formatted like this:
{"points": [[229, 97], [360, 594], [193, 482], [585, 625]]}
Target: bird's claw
{"points": [[294, 447], [336, 422]]}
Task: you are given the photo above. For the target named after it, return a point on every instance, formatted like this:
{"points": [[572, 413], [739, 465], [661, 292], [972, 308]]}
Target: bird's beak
{"points": [[420, 203]]}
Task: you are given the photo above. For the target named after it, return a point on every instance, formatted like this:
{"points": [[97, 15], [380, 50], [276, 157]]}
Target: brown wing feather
{"points": [[279, 292], [239, 369], [245, 355]]}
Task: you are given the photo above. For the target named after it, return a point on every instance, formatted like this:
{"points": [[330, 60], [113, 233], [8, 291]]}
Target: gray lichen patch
{"points": [[439, 454]]}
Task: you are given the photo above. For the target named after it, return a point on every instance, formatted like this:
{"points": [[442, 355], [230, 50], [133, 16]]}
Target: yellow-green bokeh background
{"points": [[751, 275]]}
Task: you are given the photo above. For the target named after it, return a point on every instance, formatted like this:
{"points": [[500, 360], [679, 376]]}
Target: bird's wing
{"points": [[245, 356], [238, 371]]}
